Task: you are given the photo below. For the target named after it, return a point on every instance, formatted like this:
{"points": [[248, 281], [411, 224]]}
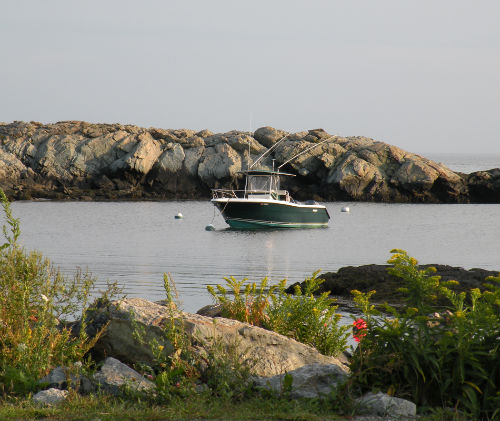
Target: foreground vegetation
{"points": [[440, 350], [432, 355]]}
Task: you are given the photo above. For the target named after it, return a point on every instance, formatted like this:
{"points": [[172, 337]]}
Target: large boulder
{"points": [[484, 186], [11, 167], [381, 404], [267, 353], [114, 376], [171, 159], [268, 136], [141, 157], [219, 162], [50, 397], [309, 381]]}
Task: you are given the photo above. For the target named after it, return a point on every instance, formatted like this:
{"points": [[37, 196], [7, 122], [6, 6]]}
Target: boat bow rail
{"points": [[251, 194]]}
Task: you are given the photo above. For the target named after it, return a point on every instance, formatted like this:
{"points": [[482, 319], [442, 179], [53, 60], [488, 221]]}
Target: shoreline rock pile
{"points": [[84, 161], [271, 356], [366, 278]]}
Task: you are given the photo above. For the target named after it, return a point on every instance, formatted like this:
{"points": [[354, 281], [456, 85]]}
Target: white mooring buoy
{"points": [[210, 227], [179, 216], [345, 209]]}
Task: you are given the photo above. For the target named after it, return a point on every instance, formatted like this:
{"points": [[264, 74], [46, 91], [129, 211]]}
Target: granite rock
{"points": [[70, 159]]}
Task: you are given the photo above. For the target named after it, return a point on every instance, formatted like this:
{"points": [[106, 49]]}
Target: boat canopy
{"points": [[262, 182]]}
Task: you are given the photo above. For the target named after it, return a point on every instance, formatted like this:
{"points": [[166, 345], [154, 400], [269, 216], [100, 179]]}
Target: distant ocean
{"points": [[466, 163]]}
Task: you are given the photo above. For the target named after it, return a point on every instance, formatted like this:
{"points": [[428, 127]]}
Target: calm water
{"points": [[134, 243], [466, 163]]}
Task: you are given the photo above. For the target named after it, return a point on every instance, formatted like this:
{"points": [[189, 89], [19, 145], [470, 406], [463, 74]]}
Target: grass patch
{"points": [[195, 407]]}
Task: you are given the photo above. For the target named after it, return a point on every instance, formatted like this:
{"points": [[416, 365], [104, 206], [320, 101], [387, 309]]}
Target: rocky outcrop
{"points": [[79, 160], [267, 353], [365, 278]]}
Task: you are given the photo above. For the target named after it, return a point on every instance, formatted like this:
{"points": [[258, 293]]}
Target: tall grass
{"points": [[35, 300]]}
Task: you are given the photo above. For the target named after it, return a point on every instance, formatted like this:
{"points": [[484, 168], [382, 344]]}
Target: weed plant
{"points": [[448, 358], [180, 369], [303, 316], [35, 299]]}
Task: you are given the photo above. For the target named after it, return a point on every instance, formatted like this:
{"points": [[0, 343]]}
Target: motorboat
{"points": [[262, 204]]}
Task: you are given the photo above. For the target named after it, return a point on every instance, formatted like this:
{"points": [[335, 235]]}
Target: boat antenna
{"points": [[249, 156], [270, 149], [307, 150]]}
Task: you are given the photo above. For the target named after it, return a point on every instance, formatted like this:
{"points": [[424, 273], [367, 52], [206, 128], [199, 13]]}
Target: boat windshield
{"points": [[263, 183]]}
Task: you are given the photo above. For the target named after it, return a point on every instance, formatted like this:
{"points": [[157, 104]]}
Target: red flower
{"points": [[360, 324], [359, 329]]}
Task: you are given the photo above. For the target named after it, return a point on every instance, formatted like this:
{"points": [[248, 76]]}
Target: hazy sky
{"points": [[420, 74]]}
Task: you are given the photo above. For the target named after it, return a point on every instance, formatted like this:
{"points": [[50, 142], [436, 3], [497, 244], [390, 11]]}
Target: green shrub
{"points": [[35, 299], [180, 366], [443, 359], [247, 303], [302, 316]]}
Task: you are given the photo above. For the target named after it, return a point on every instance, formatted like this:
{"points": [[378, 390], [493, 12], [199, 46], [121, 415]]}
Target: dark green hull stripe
{"points": [[253, 224]]}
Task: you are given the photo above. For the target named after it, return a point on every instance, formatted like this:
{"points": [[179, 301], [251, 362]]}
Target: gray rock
{"points": [[384, 405], [211, 310], [57, 378], [11, 167], [268, 136], [142, 157], [171, 160], [353, 175], [50, 396], [63, 378], [192, 160], [218, 162], [267, 353], [114, 376], [67, 159], [309, 381], [204, 133]]}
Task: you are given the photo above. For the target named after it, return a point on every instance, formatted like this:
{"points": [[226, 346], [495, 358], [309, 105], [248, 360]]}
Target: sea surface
{"points": [[135, 243]]}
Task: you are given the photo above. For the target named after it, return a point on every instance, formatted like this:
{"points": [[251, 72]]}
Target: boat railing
{"points": [[246, 194], [226, 193]]}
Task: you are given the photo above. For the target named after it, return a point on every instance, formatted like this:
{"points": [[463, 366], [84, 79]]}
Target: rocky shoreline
{"points": [[366, 278], [270, 356], [83, 161]]}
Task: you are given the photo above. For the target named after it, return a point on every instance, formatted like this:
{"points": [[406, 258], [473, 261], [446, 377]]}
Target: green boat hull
{"points": [[258, 215]]}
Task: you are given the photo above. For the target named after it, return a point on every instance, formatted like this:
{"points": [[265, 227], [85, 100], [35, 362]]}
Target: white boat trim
{"points": [[267, 201]]}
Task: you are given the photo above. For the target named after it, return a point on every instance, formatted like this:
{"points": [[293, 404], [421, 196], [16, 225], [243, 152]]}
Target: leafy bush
{"points": [[247, 303], [449, 358], [302, 316], [35, 298]]}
